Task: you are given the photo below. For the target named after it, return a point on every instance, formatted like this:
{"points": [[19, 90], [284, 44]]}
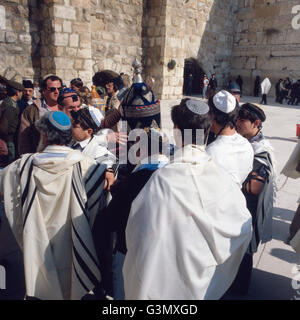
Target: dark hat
{"points": [[15, 85], [104, 77], [234, 87], [256, 109], [27, 84]]}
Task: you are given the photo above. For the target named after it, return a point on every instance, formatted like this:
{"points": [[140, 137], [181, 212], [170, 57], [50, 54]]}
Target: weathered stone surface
{"points": [[79, 37], [269, 39]]}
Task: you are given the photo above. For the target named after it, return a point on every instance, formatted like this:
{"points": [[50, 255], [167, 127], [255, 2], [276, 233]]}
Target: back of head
{"points": [[193, 115], [56, 126], [224, 108]]}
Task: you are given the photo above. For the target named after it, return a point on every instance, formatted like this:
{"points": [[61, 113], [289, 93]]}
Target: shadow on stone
{"points": [[267, 286], [286, 255]]}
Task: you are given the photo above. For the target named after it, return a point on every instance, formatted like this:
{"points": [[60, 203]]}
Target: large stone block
{"points": [[64, 12], [61, 39], [11, 37], [74, 40]]}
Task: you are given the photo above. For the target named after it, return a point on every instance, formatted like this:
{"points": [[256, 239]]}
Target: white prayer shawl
{"points": [[187, 232], [265, 86], [45, 206], [234, 154], [99, 152]]}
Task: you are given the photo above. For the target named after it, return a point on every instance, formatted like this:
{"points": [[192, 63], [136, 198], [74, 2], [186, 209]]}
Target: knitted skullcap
{"points": [[59, 120]]}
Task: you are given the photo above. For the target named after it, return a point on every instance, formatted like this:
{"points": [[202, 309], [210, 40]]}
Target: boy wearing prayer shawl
{"points": [[230, 150], [46, 241], [259, 188], [86, 123], [189, 227]]}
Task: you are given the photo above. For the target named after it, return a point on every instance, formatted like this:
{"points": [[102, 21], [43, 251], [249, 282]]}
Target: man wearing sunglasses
{"points": [[29, 136]]}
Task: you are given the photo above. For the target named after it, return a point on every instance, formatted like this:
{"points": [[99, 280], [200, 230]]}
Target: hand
{"points": [[109, 180]]}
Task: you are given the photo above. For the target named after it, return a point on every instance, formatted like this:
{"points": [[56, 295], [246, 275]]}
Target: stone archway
{"points": [[192, 66]]}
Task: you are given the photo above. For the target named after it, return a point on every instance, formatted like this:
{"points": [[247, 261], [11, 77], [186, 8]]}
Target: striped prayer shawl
{"points": [[262, 223], [70, 244]]}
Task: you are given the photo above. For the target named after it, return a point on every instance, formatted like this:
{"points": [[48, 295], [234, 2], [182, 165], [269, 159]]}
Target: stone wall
{"points": [[20, 39], [199, 29], [76, 38], [116, 34], [69, 52], [179, 30], [265, 42]]}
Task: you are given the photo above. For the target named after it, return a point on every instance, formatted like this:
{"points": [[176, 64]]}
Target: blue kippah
{"points": [[67, 90], [59, 120]]}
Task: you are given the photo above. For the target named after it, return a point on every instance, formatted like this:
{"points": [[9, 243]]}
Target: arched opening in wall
{"points": [[194, 86]]}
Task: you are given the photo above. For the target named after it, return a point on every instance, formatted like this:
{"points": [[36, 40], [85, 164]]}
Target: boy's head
{"points": [[250, 119], [193, 115], [86, 122]]}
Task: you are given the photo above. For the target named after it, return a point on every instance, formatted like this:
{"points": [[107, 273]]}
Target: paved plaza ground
{"points": [[275, 262]]}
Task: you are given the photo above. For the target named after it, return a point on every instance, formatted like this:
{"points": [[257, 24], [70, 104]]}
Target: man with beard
{"points": [[27, 97]]}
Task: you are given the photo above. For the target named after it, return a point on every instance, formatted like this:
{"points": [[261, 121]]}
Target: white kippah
{"points": [[197, 106], [96, 115], [224, 101]]}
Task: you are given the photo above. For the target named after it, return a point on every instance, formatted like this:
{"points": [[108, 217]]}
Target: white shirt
{"points": [[234, 154]]}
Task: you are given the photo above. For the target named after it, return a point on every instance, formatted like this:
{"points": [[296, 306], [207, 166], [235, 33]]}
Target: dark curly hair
{"points": [[184, 118]]}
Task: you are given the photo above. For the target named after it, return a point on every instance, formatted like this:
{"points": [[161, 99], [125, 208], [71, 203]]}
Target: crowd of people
{"points": [[172, 222], [285, 90]]}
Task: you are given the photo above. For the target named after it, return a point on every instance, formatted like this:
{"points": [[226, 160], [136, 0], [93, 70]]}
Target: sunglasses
{"points": [[53, 89]]}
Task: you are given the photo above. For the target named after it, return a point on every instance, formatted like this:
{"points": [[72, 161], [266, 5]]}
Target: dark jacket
{"points": [[29, 136], [9, 119]]}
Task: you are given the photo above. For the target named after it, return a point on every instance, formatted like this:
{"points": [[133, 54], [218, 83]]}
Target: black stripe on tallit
{"points": [[96, 185], [80, 280], [93, 172], [25, 193], [93, 205], [85, 267], [79, 201], [29, 206], [84, 246], [21, 173]]}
